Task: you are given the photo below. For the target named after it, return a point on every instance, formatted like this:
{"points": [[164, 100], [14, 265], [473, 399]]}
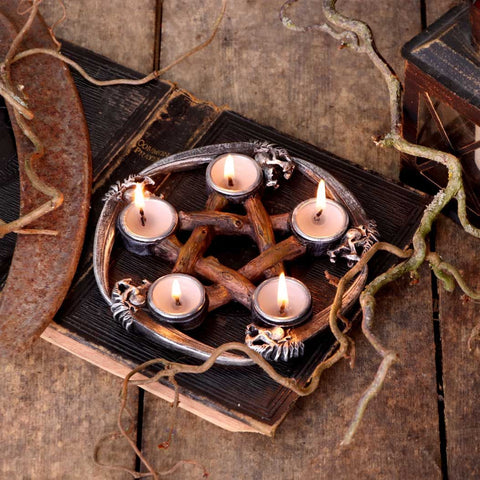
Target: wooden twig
{"points": [[56, 197], [288, 249], [57, 22], [16, 102], [262, 230], [238, 286], [347, 38], [199, 239], [20, 113], [20, 36], [454, 189], [239, 282], [33, 231], [225, 223]]}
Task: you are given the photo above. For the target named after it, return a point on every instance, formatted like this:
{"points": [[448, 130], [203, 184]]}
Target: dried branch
{"points": [[454, 189], [56, 197], [348, 39], [21, 34], [57, 22]]}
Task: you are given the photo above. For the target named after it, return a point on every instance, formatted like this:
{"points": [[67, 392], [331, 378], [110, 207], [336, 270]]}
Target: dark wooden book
{"points": [[131, 127]]}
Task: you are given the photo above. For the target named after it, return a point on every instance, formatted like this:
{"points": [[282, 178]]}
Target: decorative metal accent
{"points": [[275, 162], [127, 299], [119, 189], [274, 343], [356, 241]]}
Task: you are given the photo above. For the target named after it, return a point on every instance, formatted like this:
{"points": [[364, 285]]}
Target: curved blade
{"points": [[43, 266]]}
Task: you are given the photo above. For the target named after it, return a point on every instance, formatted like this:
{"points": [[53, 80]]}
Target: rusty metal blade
{"points": [[42, 267]]}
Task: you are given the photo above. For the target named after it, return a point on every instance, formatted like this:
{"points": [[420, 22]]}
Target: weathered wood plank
{"points": [[436, 8], [54, 407], [301, 84], [398, 439], [460, 367], [122, 31]]}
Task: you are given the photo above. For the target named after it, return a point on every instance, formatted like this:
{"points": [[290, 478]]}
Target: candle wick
{"points": [[142, 217], [318, 215], [283, 308], [178, 303], [230, 181]]}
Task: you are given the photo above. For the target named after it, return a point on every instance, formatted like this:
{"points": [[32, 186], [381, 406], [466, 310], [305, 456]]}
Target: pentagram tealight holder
{"points": [[232, 250]]}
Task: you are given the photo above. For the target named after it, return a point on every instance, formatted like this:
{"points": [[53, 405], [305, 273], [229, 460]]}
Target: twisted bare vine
{"points": [[357, 35]]}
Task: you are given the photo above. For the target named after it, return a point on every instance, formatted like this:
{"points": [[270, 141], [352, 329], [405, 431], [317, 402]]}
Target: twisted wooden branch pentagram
{"points": [[227, 284]]}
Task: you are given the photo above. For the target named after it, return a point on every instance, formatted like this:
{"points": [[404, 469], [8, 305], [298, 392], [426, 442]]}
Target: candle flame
{"points": [[229, 170], [321, 198], [139, 197], [176, 292], [282, 294]]}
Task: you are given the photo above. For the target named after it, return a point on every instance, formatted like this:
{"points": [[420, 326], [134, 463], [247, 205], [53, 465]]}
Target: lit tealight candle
{"points": [[282, 301], [178, 299], [146, 221], [319, 222], [235, 176]]}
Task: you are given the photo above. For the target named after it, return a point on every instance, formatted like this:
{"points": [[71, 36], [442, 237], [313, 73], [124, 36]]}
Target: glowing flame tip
{"points": [[138, 196], [321, 196], [229, 170], [282, 294], [176, 291]]}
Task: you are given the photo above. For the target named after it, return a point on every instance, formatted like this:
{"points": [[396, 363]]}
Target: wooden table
{"points": [[424, 424]]}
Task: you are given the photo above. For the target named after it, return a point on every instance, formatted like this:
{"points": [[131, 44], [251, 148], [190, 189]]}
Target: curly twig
{"points": [[454, 189], [368, 395], [57, 22], [171, 369], [348, 39], [21, 34], [56, 197]]}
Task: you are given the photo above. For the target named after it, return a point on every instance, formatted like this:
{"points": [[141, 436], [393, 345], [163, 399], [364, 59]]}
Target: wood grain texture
{"points": [[398, 439], [54, 407], [460, 367], [436, 8], [301, 84], [122, 31]]}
